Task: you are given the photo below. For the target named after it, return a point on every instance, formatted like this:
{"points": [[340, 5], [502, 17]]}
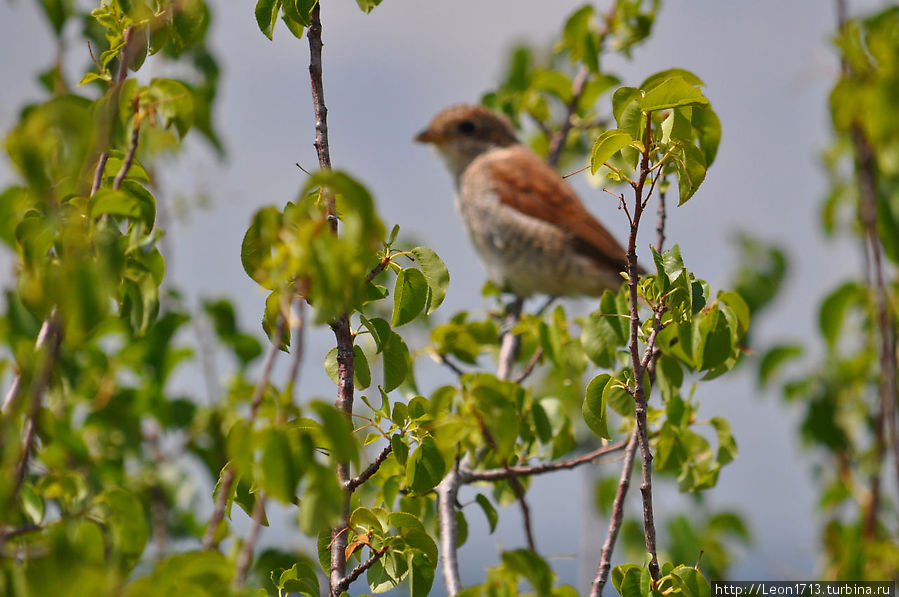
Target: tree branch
{"points": [[380, 267], [447, 492], [358, 570], [245, 557], [510, 343], [605, 559], [640, 398], [499, 474], [369, 471], [448, 489], [341, 326]]}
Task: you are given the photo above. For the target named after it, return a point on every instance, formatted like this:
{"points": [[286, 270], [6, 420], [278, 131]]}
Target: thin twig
{"points": [[230, 474], [557, 143], [502, 473], [298, 328], [124, 60], [15, 390], [132, 149], [444, 360], [529, 367], [245, 557], [356, 572], [605, 559], [380, 267], [48, 345], [158, 502], [660, 223], [518, 488], [369, 471], [866, 167]]}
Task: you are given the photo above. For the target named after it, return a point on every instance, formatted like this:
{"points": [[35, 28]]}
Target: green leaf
{"points": [[396, 362], [634, 581], [400, 448], [108, 202], [300, 578], [33, 505], [619, 572], [594, 408], [338, 430], [435, 273], [425, 467], [606, 145], [708, 129], [114, 164], [672, 92], [270, 318], [775, 358], [256, 247], [616, 395], [57, 12], [660, 77], [691, 582], [621, 100], [281, 471], [174, 104], [322, 504], [526, 563], [670, 450], [123, 516], [293, 25], [367, 5], [711, 340], [670, 376], [489, 511], [833, 310], [379, 330], [727, 446], [689, 163], [601, 333], [266, 15], [410, 296]]}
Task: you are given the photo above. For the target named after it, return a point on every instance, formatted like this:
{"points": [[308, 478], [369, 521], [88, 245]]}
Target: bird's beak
{"points": [[427, 136]]}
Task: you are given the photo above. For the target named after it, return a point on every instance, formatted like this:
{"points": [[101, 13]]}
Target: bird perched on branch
{"points": [[527, 224]]}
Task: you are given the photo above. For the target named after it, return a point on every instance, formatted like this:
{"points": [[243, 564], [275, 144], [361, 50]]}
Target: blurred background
{"points": [[767, 66]]}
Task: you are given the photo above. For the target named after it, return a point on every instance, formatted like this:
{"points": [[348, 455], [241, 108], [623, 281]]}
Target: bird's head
{"points": [[462, 133]]}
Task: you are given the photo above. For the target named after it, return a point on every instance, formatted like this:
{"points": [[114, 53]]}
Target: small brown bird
{"points": [[529, 227]]}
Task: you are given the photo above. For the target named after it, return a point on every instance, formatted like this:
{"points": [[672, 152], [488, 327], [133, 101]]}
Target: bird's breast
{"points": [[525, 254]]}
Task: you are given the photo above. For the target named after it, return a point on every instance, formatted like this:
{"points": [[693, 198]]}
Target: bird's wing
{"points": [[526, 183]]}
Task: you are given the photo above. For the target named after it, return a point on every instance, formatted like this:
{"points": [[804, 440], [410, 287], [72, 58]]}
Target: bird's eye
{"points": [[466, 127]]}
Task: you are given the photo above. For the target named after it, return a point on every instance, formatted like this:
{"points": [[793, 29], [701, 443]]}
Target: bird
{"points": [[530, 229]]}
